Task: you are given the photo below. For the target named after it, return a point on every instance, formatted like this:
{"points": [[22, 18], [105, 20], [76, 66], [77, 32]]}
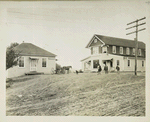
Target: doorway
{"points": [[33, 65]]}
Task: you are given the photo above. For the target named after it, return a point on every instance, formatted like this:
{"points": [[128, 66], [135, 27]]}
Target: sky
{"points": [[65, 27]]}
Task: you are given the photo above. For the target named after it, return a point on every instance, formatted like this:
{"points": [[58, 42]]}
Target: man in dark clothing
{"points": [[118, 69], [99, 69], [106, 69]]}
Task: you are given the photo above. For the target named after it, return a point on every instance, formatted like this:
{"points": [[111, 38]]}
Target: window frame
{"points": [[128, 51], [142, 63], [95, 40], [118, 62], [139, 54], [23, 62], [45, 61], [104, 47], [95, 49], [128, 62], [120, 50], [113, 47], [133, 51]]}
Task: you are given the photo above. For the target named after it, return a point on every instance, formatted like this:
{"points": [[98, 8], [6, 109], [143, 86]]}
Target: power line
{"points": [[136, 39]]}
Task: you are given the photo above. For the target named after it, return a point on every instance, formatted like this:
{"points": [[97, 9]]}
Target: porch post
{"points": [[91, 64]]}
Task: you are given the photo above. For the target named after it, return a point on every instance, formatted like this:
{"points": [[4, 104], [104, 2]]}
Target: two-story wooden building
{"points": [[112, 52]]}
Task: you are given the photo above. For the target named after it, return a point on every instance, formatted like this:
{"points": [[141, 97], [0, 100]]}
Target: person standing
{"points": [[118, 69], [106, 69], [99, 69]]}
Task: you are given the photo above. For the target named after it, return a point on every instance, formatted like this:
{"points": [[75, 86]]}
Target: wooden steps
{"points": [[34, 73]]}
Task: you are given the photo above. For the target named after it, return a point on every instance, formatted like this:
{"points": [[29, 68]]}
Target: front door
{"points": [[33, 66]]}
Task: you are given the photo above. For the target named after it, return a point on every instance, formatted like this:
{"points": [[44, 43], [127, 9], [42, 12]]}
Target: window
{"points": [[142, 63], [127, 51], [133, 51], [43, 62], [129, 63], [95, 50], [104, 49], [114, 49], [95, 63], [121, 50], [21, 62], [95, 40], [117, 62], [139, 52], [111, 64]]}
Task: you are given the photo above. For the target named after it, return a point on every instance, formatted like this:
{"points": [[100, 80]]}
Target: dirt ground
{"points": [[85, 94]]}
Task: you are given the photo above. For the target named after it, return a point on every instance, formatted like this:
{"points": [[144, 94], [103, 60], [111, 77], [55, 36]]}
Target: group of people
{"points": [[106, 69]]}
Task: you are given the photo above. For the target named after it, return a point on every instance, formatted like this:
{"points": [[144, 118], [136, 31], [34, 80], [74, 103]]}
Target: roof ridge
{"points": [[31, 49], [118, 38], [109, 40]]}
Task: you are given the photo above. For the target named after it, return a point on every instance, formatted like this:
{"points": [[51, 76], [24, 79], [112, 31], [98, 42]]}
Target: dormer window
{"points": [[139, 52], [127, 51], [114, 49], [104, 49], [121, 50], [95, 40]]}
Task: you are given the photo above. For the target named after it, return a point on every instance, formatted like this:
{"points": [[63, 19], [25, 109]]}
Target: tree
{"points": [[11, 56]]}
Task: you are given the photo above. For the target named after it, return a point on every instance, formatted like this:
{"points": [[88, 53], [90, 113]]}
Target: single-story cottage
{"points": [[32, 59]]}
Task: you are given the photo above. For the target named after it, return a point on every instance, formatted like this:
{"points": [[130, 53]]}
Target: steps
{"points": [[34, 73]]}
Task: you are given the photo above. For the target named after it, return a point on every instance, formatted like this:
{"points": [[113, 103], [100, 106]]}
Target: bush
{"points": [[7, 85], [9, 82]]}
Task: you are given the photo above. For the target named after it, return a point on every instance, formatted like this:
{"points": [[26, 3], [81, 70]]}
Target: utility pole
{"points": [[136, 39]]}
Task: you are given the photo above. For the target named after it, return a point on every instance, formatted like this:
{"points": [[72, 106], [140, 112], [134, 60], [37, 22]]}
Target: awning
{"points": [[108, 59], [34, 58]]}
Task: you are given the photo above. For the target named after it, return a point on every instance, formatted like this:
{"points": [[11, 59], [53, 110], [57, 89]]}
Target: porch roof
{"points": [[34, 58], [107, 59], [85, 58]]}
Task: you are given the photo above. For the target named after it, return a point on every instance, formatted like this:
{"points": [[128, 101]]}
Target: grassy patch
{"points": [[86, 94]]}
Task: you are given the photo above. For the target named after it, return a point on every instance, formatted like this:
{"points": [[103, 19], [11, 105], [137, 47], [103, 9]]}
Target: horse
{"points": [[67, 68]]}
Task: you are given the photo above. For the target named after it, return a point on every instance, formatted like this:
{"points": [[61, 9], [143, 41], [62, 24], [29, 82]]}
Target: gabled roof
{"points": [[117, 41], [29, 49]]}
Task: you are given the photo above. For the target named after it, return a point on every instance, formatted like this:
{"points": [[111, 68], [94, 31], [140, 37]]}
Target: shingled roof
{"points": [[118, 41], [29, 49]]}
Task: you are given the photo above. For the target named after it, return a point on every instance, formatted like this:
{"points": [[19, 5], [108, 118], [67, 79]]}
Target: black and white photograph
{"points": [[75, 58]]}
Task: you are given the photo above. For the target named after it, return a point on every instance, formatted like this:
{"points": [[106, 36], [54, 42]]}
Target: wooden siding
{"points": [[117, 50], [124, 51], [109, 49], [91, 50], [97, 43], [100, 49]]}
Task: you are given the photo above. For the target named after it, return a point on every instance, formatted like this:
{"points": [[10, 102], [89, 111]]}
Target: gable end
{"points": [[92, 43]]}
